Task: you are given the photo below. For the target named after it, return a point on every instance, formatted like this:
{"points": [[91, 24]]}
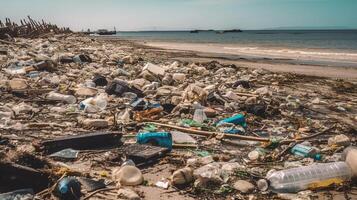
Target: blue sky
{"points": [[185, 14]]}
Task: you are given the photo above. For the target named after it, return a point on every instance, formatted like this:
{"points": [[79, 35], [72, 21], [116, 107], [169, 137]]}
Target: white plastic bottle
{"points": [[306, 177], [61, 97]]}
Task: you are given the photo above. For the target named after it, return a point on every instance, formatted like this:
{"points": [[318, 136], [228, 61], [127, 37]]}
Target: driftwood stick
{"points": [[240, 137]]}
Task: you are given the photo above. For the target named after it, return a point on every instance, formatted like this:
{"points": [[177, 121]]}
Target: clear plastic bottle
{"points": [[199, 115], [94, 104], [307, 177], [61, 97]]}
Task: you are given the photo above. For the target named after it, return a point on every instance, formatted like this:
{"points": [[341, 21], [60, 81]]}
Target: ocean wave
{"points": [[290, 51]]}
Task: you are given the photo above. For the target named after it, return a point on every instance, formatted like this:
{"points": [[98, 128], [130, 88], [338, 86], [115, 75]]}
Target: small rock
{"points": [[253, 155], [126, 193], [232, 96], [174, 65], [130, 59], [230, 167], [251, 100], [210, 112], [85, 92], [292, 164], [263, 91], [128, 175], [243, 186], [95, 123], [18, 84], [206, 160], [148, 76], [155, 69], [194, 93], [182, 176], [208, 174], [167, 80], [22, 108], [139, 83], [175, 100], [100, 80], [179, 77], [316, 101], [339, 140], [201, 71]]}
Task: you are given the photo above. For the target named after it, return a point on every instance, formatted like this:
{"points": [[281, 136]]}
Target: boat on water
{"points": [[229, 31], [106, 32]]}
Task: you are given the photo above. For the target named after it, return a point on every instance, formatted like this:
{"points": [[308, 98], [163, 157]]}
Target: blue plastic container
{"points": [[236, 120], [162, 139], [305, 151], [69, 188]]}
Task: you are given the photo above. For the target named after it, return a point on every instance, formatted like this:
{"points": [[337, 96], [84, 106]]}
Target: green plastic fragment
{"points": [[150, 128]]}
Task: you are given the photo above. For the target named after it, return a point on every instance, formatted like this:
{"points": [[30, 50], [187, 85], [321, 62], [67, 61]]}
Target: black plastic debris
{"points": [[3, 51], [243, 83], [141, 154], [257, 109], [66, 59], [82, 142], [214, 98], [168, 107], [138, 104], [82, 58], [46, 65], [69, 188], [14, 177], [91, 185], [100, 80], [118, 88]]}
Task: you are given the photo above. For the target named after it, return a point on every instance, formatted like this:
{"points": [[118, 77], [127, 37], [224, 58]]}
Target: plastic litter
{"points": [[162, 139], [307, 177]]}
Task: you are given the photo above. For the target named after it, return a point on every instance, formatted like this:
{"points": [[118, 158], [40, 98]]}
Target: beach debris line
{"points": [[90, 118]]}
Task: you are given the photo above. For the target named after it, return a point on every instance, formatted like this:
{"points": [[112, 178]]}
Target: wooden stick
{"points": [[211, 134], [240, 137], [5, 42], [184, 146], [246, 94], [100, 190]]}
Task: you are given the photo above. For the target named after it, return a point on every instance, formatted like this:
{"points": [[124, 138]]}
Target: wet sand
{"points": [[315, 63]]}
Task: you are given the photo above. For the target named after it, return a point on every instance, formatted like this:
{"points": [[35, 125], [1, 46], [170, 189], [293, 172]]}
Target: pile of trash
{"points": [[89, 118]]}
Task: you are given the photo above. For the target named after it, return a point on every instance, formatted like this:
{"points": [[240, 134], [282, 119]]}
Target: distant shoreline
{"points": [[284, 65]]}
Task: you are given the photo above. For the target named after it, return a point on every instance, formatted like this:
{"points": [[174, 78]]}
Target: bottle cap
{"points": [[263, 185], [318, 157]]}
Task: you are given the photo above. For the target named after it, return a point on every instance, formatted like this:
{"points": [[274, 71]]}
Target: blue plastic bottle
{"points": [[69, 188], [163, 139], [305, 151], [236, 120]]}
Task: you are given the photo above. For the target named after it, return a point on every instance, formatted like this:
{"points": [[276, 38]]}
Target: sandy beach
{"points": [[315, 63]]}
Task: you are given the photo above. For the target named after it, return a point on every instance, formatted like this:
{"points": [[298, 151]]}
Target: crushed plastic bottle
{"points": [[236, 120], [307, 177], [199, 115], [163, 139], [69, 188], [306, 151], [94, 104], [61, 97]]}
